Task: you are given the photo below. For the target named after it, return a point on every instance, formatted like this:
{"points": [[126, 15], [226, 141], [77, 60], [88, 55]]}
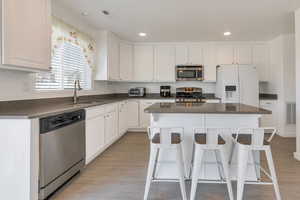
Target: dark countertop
{"points": [[39, 108], [264, 96], [208, 108]]}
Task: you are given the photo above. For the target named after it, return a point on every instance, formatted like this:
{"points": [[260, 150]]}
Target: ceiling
{"points": [[189, 20]]}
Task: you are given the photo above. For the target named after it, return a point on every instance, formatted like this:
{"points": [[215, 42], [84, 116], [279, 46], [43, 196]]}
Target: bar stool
{"points": [[250, 141], [210, 139], [165, 138]]}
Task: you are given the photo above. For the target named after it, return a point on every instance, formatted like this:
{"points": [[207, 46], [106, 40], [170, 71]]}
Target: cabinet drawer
{"points": [[93, 112], [111, 108]]}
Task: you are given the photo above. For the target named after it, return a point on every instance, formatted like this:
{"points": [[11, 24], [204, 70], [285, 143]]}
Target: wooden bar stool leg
{"points": [[273, 172], [226, 173], [198, 156], [243, 154], [181, 172], [152, 161]]}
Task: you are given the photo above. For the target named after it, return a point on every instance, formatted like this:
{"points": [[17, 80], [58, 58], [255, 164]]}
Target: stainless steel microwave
{"points": [[189, 73]]}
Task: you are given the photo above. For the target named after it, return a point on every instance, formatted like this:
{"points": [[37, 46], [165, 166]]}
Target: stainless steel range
{"points": [[189, 95]]}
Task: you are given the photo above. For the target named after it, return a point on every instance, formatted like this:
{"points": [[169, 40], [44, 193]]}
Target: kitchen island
{"points": [[204, 115]]}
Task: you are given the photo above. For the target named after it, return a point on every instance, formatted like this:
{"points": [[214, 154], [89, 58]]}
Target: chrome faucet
{"points": [[76, 88]]}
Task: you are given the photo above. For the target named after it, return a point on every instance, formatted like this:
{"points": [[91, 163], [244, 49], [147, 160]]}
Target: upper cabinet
{"points": [[243, 54], [143, 62], [195, 54], [227, 54], [113, 57], [209, 62], [261, 59], [26, 39], [165, 63], [191, 54], [126, 61], [107, 57], [181, 54]]}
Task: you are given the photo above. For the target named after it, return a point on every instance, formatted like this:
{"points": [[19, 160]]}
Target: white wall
{"points": [[282, 79], [297, 29], [15, 85]]}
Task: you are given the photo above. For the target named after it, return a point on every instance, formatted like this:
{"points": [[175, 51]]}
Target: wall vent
{"points": [[291, 113]]}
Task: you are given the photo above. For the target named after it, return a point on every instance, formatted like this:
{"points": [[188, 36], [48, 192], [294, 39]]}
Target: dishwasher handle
{"points": [[59, 121]]}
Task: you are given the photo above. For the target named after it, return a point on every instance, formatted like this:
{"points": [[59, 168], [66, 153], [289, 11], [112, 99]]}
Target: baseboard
{"points": [[297, 155]]}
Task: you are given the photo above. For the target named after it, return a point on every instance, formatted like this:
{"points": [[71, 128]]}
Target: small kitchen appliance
{"points": [[189, 95], [165, 91], [189, 73], [137, 92]]}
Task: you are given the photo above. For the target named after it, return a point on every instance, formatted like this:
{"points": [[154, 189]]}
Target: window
{"points": [[68, 64], [72, 59]]}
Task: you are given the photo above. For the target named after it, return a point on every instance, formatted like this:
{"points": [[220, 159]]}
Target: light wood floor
{"points": [[119, 174]]}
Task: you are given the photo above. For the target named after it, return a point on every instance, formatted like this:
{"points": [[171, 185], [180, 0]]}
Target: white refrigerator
{"points": [[238, 84]]}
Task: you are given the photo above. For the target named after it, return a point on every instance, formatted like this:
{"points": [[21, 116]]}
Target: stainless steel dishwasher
{"points": [[62, 150]]}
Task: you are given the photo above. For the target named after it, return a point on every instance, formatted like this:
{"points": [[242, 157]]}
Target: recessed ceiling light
{"points": [[105, 12], [142, 34], [84, 13], [227, 33]]}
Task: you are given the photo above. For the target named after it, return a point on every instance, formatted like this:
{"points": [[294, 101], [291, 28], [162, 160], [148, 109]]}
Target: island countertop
{"points": [[205, 108]]}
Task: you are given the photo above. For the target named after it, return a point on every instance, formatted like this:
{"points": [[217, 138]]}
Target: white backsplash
{"points": [[121, 87]]}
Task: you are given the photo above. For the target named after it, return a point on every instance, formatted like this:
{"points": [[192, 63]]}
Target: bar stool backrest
{"points": [[212, 134], [166, 134], [256, 135]]}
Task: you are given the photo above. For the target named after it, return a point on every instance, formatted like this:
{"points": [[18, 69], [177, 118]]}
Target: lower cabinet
{"points": [[123, 117], [269, 120], [95, 133], [132, 113], [111, 127], [101, 129], [144, 117]]}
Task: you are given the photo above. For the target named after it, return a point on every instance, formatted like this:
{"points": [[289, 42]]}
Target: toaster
{"points": [[137, 92]]}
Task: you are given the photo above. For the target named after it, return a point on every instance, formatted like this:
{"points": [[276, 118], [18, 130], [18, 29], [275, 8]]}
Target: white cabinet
{"points": [[101, 129], [243, 54], [26, 29], [181, 54], [261, 60], [195, 54], [165, 63], [107, 57], [123, 117], [94, 132], [126, 61], [143, 63], [113, 57], [269, 120], [94, 137], [133, 114], [144, 117], [209, 62], [111, 127], [225, 54], [111, 123], [228, 54], [189, 54]]}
